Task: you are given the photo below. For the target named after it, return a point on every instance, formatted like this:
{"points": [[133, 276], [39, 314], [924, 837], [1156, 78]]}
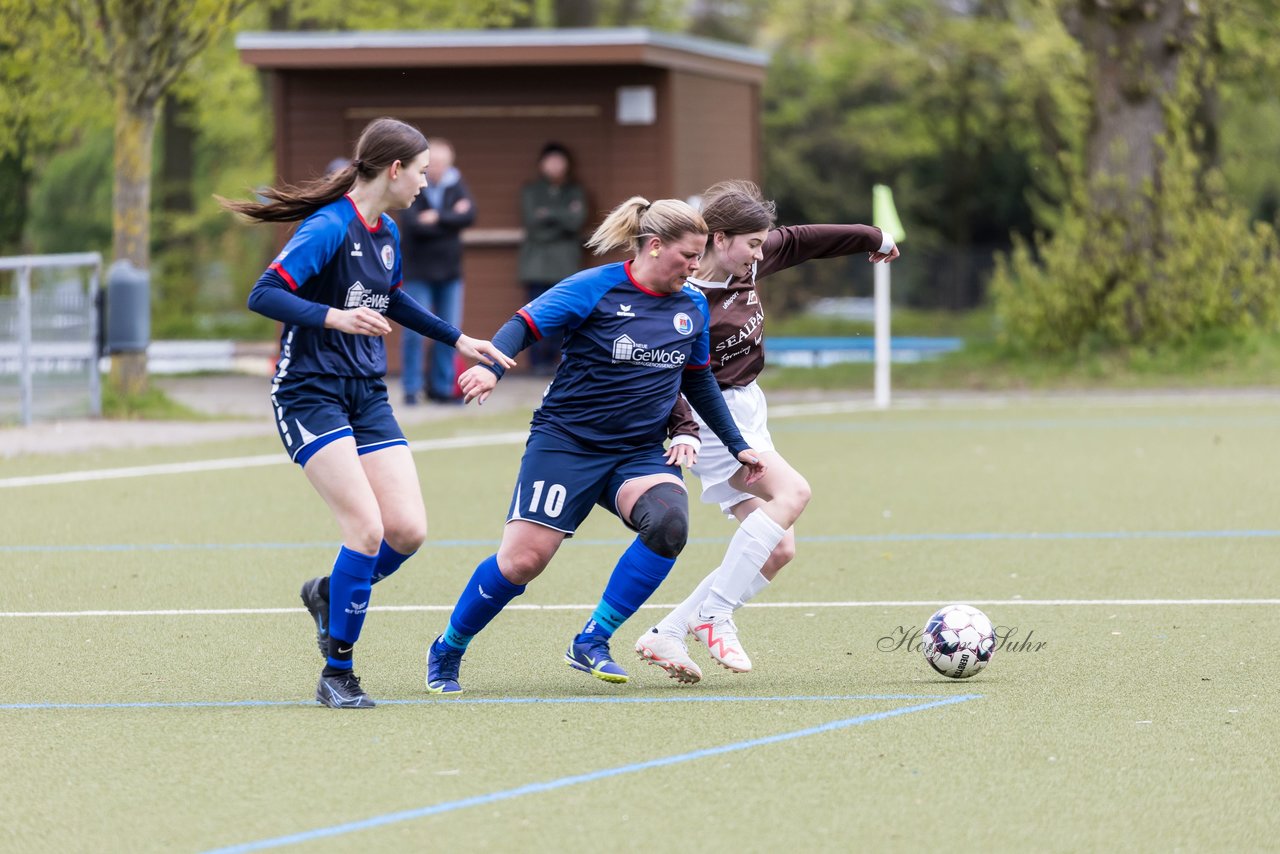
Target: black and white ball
{"points": [[958, 641]]}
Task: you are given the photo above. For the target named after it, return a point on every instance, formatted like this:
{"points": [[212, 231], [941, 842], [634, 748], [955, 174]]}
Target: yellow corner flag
{"points": [[884, 215]]}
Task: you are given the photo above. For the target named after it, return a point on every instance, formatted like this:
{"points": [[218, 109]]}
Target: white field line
{"points": [[902, 603], [795, 410], [241, 462]]}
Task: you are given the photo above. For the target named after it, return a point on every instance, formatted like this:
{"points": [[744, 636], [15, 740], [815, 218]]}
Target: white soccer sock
{"points": [[758, 584], [750, 547], [676, 623]]}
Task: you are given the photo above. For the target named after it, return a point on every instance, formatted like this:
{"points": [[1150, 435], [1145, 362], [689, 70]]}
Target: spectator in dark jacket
{"points": [[554, 209], [432, 247]]}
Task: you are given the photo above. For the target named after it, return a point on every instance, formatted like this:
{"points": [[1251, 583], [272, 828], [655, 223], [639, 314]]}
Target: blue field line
{"points": [[1267, 421], [946, 537], [578, 779], [466, 701]]}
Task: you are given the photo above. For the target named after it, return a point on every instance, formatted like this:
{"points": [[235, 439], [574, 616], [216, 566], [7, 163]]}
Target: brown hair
{"points": [[737, 207], [637, 217], [381, 143]]}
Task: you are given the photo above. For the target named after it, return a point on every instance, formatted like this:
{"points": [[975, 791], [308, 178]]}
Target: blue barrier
{"points": [[816, 352]]}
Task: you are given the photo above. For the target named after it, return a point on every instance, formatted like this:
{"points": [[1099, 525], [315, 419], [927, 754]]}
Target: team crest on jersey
{"points": [[388, 256], [358, 296], [683, 323], [752, 299]]}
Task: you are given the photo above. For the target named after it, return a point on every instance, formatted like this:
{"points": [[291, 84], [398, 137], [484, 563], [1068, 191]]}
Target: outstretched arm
{"points": [[411, 314], [479, 382], [790, 245]]}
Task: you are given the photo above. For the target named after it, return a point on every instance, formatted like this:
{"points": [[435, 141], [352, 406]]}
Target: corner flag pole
{"points": [[885, 217]]}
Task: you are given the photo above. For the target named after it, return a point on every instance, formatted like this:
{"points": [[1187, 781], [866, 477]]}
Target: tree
{"points": [[1150, 251], [134, 50], [43, 106], [967, 110], [1139, 51]]}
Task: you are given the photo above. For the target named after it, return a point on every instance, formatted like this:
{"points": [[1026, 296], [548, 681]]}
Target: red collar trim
{"points": [[627, 266], [371, 228]]}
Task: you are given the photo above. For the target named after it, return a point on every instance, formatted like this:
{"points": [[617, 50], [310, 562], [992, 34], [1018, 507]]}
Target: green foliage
{"points": [[1147, 260], [1088, 287], [151, 405], [45, 99], [71, 202], [210, 261], [1212, 360], [1248, 133], [406, 15], [972, 118], [976, 113], [974, 325]]}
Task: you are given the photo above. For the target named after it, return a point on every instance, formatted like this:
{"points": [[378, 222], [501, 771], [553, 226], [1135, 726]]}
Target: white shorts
{"points": [[715, 464]]}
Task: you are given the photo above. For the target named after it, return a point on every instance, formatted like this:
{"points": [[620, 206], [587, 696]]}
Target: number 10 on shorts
{"points": [[555, 498]]}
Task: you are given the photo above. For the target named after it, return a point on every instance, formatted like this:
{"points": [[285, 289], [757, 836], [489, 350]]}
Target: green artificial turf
{"points": [[1119, 726]]}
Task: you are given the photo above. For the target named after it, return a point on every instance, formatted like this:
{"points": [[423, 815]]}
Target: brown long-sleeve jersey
{"points": [[737, 315]]}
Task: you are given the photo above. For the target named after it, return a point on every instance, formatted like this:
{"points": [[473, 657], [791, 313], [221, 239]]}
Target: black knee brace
{"points": [[661, 516]]}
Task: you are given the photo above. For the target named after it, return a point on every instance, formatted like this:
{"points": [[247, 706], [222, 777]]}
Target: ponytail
{"points": [[621, 227], [290, 202], [381, 143], [637, 217]]}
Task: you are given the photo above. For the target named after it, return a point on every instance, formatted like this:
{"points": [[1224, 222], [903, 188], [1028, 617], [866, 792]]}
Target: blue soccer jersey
{"points": [[336, 260], [625, 349]]}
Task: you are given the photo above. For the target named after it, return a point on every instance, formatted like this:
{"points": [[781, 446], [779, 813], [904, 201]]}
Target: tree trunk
{"points": [[579, 13], [15, 180], [1136, 47], [178, 287], [131, 214]]}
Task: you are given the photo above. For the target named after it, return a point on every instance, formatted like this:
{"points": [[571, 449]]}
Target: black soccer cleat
{"points": [[317, 604], [342, 692]]}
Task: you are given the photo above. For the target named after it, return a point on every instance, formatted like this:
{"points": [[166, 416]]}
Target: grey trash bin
{"points": [[128, 309]]}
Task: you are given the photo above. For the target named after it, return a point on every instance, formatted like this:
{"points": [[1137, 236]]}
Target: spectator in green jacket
{"points": [[553, 209]]}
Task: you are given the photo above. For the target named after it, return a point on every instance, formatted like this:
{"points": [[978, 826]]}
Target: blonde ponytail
{"points": [[666, 219]]}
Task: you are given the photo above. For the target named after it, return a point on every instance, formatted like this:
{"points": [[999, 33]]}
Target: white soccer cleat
{"points": [[720, 636], [670, 654]]}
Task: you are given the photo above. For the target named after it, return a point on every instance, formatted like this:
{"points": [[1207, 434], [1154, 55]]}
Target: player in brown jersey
{"points": [[743, 247]]}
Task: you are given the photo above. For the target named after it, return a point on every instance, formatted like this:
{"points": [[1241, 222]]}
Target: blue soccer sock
{"points": [[484, 597], [349, 588], [638, 574], [605, 620], [388, 561]]}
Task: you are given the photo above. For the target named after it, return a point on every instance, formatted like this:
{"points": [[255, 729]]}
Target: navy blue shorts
{"points": [[312, 411], [560, 480]]}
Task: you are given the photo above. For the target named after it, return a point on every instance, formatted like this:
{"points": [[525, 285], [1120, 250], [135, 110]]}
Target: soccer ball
{"points": [[958, 641]]}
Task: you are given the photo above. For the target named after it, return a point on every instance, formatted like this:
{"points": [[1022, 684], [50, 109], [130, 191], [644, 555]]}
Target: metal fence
{"points": [[49, 337]]}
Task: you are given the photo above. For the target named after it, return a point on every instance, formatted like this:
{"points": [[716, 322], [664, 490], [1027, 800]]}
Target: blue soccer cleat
{"points": [[443, 662], [590, 654]]}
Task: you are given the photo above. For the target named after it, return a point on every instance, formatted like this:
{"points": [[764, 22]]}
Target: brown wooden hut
{"points": [[646, 113]]}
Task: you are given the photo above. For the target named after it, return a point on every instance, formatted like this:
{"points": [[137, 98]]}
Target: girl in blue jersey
{"points": [[635, 337], [333, 287]]}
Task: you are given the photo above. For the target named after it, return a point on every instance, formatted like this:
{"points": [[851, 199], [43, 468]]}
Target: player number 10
{"points": [[555, 498]]}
